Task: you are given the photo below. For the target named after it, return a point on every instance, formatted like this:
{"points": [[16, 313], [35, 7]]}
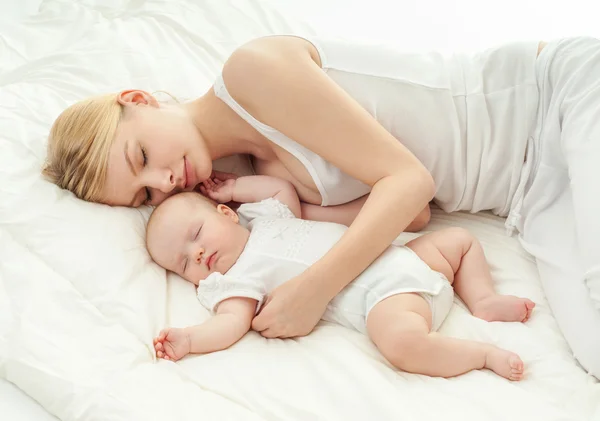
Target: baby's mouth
{"points": [[210, 260]]}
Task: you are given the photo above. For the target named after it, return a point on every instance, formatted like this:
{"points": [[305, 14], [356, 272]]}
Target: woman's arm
{"points": [[345, 214], [285, 88]]}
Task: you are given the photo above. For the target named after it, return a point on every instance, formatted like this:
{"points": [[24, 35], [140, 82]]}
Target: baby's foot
{"points": [[504, 363], [503, 308], [172, 344]]}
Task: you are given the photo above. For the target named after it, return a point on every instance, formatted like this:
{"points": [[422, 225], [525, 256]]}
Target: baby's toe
{"points": [[515, 362]]}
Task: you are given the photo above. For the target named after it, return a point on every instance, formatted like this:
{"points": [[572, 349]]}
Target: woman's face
{"points": [[156, 153]]}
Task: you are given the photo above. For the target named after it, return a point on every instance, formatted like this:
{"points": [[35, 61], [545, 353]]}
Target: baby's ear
{"points": [[228, 212]]}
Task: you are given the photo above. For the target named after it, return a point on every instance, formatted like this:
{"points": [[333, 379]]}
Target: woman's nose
{"points": [[167, 181]]}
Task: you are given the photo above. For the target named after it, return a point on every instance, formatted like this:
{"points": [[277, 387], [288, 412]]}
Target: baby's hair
{"points": [[193, 197], [190, 198]]}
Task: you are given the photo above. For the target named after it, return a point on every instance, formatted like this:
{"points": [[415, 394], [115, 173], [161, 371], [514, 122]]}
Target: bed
{"points": [[80, 299]]}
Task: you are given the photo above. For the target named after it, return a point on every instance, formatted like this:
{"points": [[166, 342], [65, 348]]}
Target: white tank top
{"points": [[467, 118]]}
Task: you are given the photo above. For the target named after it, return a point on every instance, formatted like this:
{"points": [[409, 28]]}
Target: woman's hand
{"points": [[292, 309]]}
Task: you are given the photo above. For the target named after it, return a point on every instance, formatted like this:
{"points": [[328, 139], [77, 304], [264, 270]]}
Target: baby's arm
{"points": [[230, 323], [254, 188]]}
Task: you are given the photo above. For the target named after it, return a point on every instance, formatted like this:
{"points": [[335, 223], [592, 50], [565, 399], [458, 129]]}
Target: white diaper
{"points": [[397, 271], [440, 305]]}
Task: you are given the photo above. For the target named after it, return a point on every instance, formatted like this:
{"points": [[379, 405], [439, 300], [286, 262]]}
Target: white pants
{"points": [[559, 221]]}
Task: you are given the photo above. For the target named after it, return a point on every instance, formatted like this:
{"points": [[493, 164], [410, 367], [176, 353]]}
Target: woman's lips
{"points": [[189, 174]]}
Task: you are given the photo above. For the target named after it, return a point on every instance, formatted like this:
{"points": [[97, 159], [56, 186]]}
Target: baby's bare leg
{"points": [[400, 327], [458, 255]]}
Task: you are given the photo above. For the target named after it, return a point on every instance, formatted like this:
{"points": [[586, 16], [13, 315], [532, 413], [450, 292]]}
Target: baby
{"points": [[399, 301]]}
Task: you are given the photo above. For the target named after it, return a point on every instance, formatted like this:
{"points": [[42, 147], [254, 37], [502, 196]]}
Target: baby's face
{"points": [[192, 238]]}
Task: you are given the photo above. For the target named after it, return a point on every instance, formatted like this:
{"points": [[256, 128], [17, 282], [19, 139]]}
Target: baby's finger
{"points": [[213, 195]]}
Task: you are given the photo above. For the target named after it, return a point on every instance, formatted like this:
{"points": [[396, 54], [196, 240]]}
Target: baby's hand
{"points": [[218, 190], [172, 344]]}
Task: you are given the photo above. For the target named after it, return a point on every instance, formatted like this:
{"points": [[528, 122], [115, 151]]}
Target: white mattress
{"points": [[80, 300]]}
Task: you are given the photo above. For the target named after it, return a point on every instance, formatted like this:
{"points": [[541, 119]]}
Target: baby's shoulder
{"points": [[269, 209]]}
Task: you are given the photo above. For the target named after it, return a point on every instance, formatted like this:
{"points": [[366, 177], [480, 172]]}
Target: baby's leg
{"points": [[400, 327], [458, 255]]}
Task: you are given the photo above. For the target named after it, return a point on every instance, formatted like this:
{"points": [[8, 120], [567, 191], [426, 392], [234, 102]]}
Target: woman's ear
{"points": [[228, 212], [136, 97]]}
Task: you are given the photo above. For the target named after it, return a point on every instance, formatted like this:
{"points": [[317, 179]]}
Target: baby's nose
{"points": [[199, 255]]}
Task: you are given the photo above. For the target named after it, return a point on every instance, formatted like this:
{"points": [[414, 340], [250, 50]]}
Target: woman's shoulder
{"points": [[273, 47], [262, 57], [255, 73]]}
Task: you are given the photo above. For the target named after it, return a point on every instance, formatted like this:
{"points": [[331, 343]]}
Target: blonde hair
{"points": [[79, 145]]}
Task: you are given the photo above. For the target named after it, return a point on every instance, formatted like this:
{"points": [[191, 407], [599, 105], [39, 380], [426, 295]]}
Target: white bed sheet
{"points": [[81, 301], [17, 406]]}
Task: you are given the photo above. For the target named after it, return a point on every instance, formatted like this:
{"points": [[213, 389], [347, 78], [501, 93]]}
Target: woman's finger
{"points": [[259, 323], [269, 333]]}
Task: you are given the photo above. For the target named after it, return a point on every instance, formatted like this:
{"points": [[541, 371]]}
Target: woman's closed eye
{"points": [[144, 163], [144, 156], [148, 196]]}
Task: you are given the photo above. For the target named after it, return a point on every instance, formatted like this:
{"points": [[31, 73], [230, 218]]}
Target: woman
{"points": [[368, 136]]}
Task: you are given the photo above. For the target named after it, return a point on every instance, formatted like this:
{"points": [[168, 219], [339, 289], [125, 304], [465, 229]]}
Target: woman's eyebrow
{"points": [[129, 164]]}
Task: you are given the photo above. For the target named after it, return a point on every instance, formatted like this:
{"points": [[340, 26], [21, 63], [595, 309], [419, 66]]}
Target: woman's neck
{"points": [[224, 132]]}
